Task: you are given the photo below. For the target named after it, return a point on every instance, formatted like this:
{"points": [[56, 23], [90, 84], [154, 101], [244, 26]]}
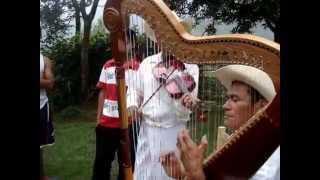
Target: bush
{"points": [[66, 56], [70, 112]]}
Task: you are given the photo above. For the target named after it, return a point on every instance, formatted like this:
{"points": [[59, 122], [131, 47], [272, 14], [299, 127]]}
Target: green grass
{"points": [[72, 155]]}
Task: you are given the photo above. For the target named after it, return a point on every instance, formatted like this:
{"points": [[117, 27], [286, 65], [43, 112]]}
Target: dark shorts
{"points": [[46, 127]]}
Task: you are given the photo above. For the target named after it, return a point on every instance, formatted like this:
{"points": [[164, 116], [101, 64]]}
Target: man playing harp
{"points": [[248, 90]]}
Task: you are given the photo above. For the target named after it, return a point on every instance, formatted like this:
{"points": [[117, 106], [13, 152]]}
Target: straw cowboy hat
{"points": [[254, 77], [187, 24]]}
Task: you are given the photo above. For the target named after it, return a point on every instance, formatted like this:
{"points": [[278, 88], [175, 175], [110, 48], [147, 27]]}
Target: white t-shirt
{"points": [[161, 110], [270, 170], [43, 93]]}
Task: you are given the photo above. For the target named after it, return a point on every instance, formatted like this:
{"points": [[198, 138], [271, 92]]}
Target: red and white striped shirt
{"points": [[107, 81]]}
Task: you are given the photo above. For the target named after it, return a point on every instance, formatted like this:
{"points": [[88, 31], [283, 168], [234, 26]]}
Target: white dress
{"points": [[163, 118]]}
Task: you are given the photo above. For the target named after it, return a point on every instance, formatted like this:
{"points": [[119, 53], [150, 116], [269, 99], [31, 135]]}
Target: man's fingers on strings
{"points": [[180, 141], [187, 139], [166, 157], [178, 144], [163, 156], [173, 158], [203, 143]]}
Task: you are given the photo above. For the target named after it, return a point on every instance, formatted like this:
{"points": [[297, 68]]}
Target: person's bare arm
{"points": [[192, 155], [100, 104], [47, 81]]}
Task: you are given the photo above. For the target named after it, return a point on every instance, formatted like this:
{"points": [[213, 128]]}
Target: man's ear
{"points": [[260, 104]]}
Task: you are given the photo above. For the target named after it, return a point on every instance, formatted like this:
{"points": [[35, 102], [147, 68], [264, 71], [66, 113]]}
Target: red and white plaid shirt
{"points": [[107, 81]]}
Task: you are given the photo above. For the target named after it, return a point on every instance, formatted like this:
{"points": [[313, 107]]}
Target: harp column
{"points": [[112, 18]]}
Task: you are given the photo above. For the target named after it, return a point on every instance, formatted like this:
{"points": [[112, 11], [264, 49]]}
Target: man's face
{"points": [[237, 108]]}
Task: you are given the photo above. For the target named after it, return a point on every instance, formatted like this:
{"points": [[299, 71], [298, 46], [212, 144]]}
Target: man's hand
{"points": [[134, 113], [172, 165], [189, 101], [192, 155]]}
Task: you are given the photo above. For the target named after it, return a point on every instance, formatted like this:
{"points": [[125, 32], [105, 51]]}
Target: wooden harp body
{"points": [[250, 146]]}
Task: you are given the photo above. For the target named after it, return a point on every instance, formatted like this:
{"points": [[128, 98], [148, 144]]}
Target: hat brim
{"points": [[251, 76]]}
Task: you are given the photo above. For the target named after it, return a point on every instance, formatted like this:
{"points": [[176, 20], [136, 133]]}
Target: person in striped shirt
{"points": [[108, 122]]}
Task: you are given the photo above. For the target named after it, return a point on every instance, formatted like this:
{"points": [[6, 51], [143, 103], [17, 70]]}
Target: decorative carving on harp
{"points": [[249, 146]]}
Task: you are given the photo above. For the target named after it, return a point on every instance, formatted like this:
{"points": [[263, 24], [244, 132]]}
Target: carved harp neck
{"points": [[249, 147]]}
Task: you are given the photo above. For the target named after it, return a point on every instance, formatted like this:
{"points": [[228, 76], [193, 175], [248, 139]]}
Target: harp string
{"points": [[210, 91], [212, 101], [131, 57], [134, 124]]}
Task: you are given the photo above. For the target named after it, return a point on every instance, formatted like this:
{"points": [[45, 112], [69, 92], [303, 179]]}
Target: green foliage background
{"points": [[65, 55]]}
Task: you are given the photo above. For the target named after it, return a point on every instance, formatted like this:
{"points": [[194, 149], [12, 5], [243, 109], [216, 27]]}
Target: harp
{"points": [[247, 148]]}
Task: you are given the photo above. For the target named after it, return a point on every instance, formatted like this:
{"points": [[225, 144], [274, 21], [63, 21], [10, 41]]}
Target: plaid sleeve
{"points": [[102, 79]]}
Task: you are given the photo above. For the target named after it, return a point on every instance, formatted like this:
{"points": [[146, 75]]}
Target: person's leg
{"points": [[43, 126], [41, 164], [133, 136], [119, 157], [43, 140], [50, 127], [42, 174], [120, 172], [105, 151]]}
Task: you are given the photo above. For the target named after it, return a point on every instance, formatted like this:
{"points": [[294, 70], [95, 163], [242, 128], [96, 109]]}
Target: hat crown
{"points": [[254, 77]]}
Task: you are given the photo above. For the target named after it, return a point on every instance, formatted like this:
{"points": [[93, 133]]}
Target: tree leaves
{"points": [[55, 20], [245, 14]]}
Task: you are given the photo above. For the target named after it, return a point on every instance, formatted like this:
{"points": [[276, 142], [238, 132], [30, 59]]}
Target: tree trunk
{"points": [[87, 20], [77, 16], [85, 61], [78, 21], [277, 33]]}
